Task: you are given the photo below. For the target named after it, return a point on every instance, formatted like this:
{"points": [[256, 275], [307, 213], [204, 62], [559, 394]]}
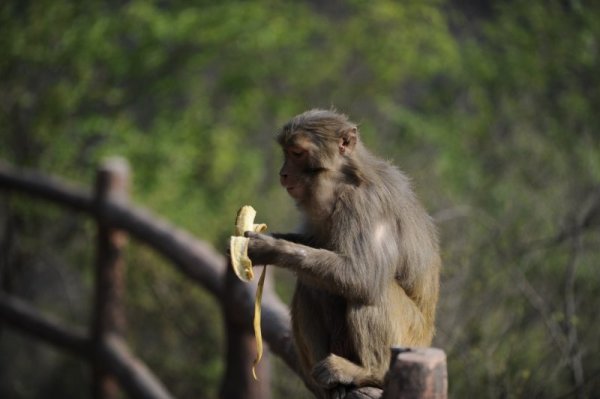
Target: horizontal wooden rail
{"points": [[133, 375], [30, 321], [194, 258], [135, 378]]}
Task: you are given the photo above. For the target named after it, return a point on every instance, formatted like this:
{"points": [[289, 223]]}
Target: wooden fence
{"points": [[414, 373]]}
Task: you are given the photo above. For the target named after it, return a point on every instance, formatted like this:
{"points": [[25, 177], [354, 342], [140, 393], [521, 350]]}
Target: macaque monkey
{"points": [[367, 257]]}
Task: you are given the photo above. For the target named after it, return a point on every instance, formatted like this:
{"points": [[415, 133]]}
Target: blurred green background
{"points": [[492, 107]]}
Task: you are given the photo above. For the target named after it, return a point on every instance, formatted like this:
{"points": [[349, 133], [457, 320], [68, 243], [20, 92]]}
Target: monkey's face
{"points": [[293, 175], [301, 166], [312, 162]]}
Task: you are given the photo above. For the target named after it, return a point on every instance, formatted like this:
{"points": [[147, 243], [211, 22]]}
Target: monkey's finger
{"points": [[251, 234], [339, 392], [261, 237]]}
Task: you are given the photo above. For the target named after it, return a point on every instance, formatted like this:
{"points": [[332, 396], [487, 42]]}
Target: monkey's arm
{"points": [[343, 275]]}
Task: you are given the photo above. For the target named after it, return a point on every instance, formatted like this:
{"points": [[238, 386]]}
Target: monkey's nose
{"points": [[284, 177]]}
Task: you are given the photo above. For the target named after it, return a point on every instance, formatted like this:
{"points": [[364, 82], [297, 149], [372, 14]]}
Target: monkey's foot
{"points": [[332, 371], [339, 392]]}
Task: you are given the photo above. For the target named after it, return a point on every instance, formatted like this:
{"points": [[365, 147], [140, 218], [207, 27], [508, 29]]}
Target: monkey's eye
{"points": [[296, 153]]}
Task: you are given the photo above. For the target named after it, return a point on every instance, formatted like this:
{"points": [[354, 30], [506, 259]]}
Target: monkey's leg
{"points": [[335, 370], [310, 335]]}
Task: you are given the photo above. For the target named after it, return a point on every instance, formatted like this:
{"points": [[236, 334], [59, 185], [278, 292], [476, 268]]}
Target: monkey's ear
{"points": [[347, 142]]}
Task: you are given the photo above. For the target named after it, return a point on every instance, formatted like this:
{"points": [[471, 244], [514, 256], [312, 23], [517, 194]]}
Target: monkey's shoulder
{"points": [[383, 194]]}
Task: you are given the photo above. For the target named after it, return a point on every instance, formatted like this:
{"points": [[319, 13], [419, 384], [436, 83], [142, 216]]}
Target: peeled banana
{"points": [[238, 244], [242, 266]]}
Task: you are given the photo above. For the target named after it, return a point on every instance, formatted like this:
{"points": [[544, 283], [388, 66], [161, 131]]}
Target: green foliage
{"points": [[492, 109]]}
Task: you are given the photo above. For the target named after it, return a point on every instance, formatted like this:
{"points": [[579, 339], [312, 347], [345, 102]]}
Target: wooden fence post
{"points": [[112, 180], [416, 373], [238, 382]]}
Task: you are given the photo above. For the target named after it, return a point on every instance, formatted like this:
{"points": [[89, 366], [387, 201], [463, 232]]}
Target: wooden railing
{"points": [[416, 373]]}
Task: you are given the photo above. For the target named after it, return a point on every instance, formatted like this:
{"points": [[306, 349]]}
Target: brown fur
{"points": [[367, 259]]}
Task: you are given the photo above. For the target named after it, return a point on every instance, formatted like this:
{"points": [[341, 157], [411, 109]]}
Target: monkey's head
{"points": [[319, 149]]}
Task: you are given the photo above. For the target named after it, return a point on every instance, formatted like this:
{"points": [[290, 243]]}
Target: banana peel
{"points": [[242, 266]]}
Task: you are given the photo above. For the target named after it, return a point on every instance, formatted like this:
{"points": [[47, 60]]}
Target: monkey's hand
{"points": [[261, 248], [267, 250]]}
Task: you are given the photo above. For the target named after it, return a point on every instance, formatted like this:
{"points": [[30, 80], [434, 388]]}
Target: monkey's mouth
{"points": [[291, 190]]}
